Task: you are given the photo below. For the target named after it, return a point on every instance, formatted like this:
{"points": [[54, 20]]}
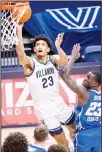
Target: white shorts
{"points": [[54, 113]]}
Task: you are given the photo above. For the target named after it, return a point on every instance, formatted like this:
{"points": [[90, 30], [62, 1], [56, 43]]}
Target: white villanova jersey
{"points": [[43, 82]]}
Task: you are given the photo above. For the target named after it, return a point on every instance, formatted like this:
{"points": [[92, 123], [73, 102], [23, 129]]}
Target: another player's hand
{"points": [[59, 40], [75, 51]]}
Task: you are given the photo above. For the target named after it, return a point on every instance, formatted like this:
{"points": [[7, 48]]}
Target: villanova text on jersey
{"points": [[44, 72], [89, 115]]}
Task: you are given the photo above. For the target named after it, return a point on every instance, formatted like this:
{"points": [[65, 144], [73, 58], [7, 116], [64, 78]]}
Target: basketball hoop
{"points": [[9, 20]]}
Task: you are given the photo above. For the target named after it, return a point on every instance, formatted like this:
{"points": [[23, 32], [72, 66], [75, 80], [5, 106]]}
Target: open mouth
{"points": [[40, 51]]}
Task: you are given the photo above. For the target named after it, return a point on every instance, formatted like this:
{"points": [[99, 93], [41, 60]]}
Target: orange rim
{"points": [[6, 6]]}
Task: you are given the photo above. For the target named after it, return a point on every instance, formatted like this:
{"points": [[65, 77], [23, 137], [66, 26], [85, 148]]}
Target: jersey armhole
{"points": [[55, 65]]}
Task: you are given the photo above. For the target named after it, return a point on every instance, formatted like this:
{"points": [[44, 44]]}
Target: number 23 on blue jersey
{"points": [[94, 109]]}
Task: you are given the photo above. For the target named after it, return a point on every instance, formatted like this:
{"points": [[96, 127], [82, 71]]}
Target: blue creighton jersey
{"points": [[35, 148], [89, 115]]}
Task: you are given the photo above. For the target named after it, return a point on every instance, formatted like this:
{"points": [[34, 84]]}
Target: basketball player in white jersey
{"points": [[43, 80]]}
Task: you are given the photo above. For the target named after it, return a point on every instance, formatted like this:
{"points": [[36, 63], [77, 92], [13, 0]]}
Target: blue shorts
{"points": [[88, 140]]}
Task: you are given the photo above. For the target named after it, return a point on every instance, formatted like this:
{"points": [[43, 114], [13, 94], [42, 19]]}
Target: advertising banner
{"points": [[17, 106]]}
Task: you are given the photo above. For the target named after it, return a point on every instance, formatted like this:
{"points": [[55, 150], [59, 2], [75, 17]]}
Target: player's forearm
{"points": [[74, 55], [20, 46], [62, 55], [68, 67]]}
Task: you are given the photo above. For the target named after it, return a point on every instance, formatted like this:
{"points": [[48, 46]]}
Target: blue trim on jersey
{"points": [[35, 148], [56, 130], [70, 120], [75, 141], [32, 70], [98, 92], [42, 62]]}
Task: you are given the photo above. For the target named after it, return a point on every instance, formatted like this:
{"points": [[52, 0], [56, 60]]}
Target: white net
{"points": [[8, 26]]}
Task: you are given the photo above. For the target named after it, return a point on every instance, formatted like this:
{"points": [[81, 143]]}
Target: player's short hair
{"points": [[57, 148], [15, 142], [44, 38], [98, 77], [41, 132]]}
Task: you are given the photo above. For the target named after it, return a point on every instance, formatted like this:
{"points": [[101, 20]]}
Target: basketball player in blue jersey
{"points": [[88, 109], [43, 79]]}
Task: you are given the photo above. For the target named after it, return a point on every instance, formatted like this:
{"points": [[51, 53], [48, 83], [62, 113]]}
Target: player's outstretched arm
{"points": [[78, 89], [61, 58], [74, 55], [23, 58]]}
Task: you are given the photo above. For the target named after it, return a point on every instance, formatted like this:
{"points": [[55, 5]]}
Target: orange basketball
{"points": [[26, 15]]}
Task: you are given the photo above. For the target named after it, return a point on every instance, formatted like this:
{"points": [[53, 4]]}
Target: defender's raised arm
{"points": [[78, 89]]}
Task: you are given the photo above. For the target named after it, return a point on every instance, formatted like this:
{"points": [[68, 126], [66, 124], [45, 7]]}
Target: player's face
{"points": [[89, 81], [41, 48]]}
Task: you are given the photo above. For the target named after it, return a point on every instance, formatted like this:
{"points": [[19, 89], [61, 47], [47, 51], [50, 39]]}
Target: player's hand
{"points": [[75, 51], [19, 26], [59, 40]]}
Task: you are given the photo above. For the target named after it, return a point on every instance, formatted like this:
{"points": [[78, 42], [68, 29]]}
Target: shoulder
{"points": [[83, 99], [51, 58], [54, 58], [94, 93]]}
